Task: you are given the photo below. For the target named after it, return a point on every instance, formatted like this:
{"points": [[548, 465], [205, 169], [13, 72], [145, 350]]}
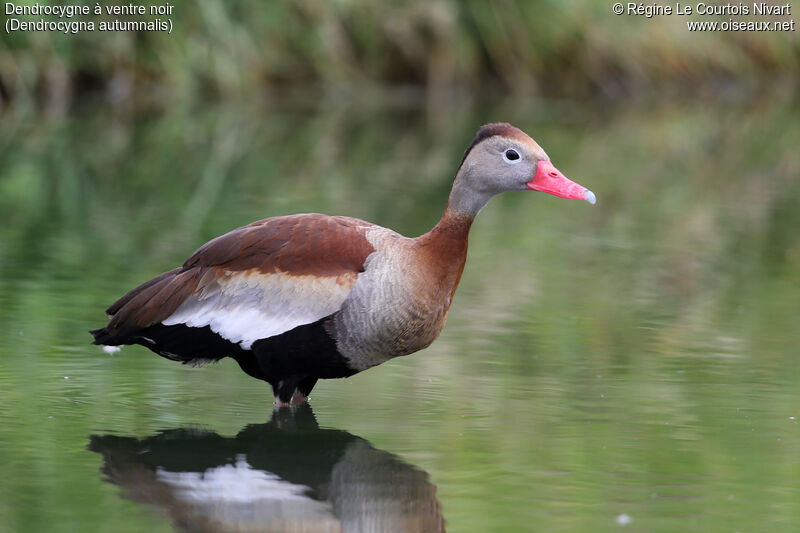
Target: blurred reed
{"points": [[406, 49]]}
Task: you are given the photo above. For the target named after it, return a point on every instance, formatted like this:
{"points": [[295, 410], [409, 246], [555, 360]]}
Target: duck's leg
{"points": [[303, 390], [284, 390]]}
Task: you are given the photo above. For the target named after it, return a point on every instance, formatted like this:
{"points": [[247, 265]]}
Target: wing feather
{"points": [[253, 282]]}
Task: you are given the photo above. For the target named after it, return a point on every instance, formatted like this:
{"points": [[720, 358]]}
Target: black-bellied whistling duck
{"points": [[297, 298]]}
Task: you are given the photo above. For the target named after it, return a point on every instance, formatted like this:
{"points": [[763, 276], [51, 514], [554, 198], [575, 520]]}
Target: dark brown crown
{"points": [[490, 130]]}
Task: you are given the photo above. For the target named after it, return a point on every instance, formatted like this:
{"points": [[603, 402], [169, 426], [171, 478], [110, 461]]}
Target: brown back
{"points": [[301, 245]]}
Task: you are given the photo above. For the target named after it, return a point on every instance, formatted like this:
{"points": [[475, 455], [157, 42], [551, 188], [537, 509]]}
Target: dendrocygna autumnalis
{"points": [[297, 298]]}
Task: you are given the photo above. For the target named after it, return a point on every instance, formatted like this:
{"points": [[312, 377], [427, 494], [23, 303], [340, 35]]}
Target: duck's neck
{"points": [[446, 243], [444, 252], [445, 246], [451, 232], [466, 199]]}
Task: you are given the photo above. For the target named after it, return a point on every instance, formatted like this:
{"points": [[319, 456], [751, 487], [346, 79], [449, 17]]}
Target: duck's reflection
{"points": [[285, 475]]}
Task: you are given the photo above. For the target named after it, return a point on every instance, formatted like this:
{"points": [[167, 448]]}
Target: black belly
{"points": [[307, 351]]}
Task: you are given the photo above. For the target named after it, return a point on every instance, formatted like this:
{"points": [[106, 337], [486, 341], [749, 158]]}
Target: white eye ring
{"points": [[511, 155]]}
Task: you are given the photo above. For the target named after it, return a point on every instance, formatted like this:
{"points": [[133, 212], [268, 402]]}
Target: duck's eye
{"points": [[511, 155]]}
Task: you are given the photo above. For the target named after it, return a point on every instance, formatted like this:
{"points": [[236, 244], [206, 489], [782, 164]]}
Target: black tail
{"points": [[177, 342], [103, 337]]}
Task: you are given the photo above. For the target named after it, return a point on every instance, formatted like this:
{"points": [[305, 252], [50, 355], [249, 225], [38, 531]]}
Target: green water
{"points": [[629, 366]]}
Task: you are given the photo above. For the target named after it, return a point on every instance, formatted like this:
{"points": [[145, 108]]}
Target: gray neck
{"points": [[464, 198]]}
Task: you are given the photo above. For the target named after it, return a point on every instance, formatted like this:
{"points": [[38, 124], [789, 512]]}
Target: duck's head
{"points": [[504, 158]]}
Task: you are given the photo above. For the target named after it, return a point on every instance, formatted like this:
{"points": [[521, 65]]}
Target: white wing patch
{"points": [[244, 307]]}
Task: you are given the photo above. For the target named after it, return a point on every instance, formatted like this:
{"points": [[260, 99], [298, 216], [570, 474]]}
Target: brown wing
{"points": [[305, 244], [296, 266]]}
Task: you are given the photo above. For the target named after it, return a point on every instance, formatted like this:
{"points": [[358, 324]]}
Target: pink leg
{"points": [[298, 397], [279, 403]]}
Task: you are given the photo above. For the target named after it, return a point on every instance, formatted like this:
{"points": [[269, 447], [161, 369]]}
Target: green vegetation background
{"points": [[394, 50]]}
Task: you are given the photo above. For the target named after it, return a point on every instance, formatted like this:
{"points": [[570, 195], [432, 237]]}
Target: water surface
{"points": [[625, 366]]}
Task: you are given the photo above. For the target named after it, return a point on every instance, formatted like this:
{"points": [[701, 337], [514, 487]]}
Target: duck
{"points": [[298, 298]]}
